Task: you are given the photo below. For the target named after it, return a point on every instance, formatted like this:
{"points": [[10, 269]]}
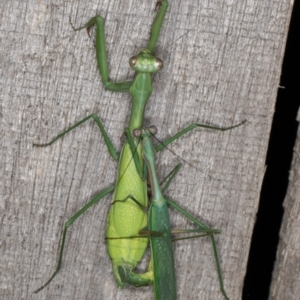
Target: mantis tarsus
{"points": [[125, 251]]}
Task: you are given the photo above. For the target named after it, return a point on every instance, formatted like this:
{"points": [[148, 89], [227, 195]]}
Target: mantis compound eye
{"points": [[133, 60], [158, 64], [137, 132], [153, 129]]}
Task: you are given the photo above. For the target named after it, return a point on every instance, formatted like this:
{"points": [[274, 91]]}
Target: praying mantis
{"points": [[126, 245], [161, 266]]}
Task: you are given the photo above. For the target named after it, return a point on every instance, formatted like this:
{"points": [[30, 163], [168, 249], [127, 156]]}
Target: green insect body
{"points": [[125, 219], [162, 256]]}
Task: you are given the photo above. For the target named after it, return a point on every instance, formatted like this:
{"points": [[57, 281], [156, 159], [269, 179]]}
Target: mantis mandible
{"points": [[125, 251]]}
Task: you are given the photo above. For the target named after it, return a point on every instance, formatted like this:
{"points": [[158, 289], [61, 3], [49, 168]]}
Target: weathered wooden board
{"points": [[222, 62]]}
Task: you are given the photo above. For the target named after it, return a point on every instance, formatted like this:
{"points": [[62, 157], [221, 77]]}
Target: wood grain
{"points": [[222, 63]]}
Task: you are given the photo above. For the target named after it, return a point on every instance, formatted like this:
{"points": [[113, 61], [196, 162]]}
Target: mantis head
{"points": [[145, 62]]}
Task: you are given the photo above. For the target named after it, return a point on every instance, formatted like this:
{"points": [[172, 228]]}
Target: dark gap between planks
{"points": [[279, 157]]}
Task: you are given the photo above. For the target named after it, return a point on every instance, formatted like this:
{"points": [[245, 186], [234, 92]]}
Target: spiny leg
{"points": [[102, 56], [68, 224], [205, 228], [162, 5], [168, 179], [191, 127], [206, 231], [95, 117]]}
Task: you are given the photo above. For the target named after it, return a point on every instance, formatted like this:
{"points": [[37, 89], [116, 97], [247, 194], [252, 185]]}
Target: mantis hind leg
{"points": [[68, 224], [207, 232]]}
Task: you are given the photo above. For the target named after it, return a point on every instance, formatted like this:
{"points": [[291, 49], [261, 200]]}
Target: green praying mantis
{"points": [[129, 227], [161, 266]]}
